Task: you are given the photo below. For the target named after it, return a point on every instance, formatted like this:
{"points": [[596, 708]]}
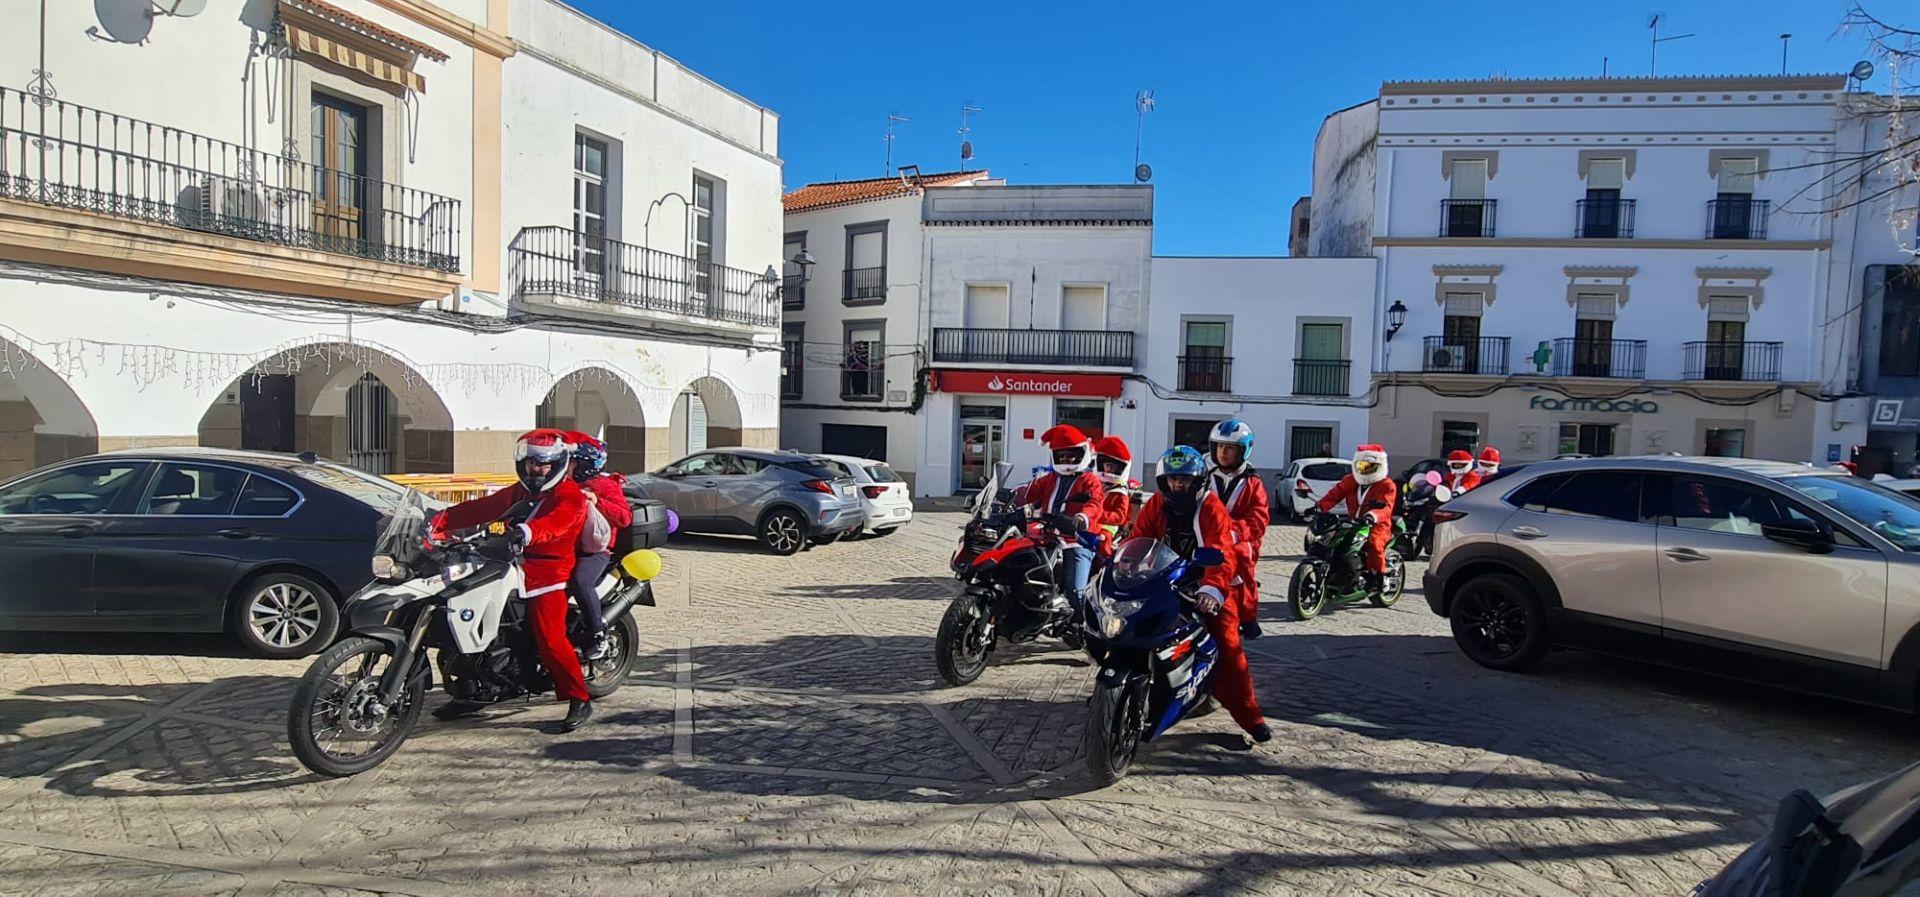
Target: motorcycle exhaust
{"points": [[626, 601]]}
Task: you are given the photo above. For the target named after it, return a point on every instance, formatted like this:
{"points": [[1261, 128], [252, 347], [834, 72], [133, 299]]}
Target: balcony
{"points": [[1074, 348], [1484, 355], [76, 157], [863, 285], [1732, 360], [1618, 358], [1603, 219], [793, 291], [1737, 218], [1466, 217], [1320, 377], [1206, 373], [555, 261]]}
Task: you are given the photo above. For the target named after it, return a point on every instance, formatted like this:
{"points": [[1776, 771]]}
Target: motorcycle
{"points": [[461, 598], [1157, 659], [1010, 568], [1413, 536], [1330, 573]]}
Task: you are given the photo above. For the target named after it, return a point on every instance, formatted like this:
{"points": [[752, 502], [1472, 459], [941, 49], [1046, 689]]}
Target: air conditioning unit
{"points": [[1446, 358], [227, 206]]}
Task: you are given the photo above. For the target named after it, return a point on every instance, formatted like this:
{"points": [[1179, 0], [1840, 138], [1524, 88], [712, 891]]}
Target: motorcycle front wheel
{"points": [[966, 636], [1113, 732], [337, 724], [606, 675], [1307, 590]]}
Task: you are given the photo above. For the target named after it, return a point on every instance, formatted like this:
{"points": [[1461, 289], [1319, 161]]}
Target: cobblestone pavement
{"points": [[786, 733]]}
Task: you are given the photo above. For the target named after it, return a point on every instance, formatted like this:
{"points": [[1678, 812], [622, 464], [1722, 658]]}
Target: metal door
{"points": [[370, 425]]}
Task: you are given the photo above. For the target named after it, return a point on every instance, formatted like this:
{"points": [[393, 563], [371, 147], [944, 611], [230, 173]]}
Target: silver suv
{"points": [[787, 499], [1771, 572]]}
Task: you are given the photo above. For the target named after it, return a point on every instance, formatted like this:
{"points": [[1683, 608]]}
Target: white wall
{"points": [[1341, 216]]}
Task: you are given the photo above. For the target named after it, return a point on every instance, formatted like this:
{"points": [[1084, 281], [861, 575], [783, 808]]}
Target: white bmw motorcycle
{"points": [[462, 598]]}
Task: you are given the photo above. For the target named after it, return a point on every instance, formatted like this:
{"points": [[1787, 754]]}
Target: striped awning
{"points": [[305, 41]]}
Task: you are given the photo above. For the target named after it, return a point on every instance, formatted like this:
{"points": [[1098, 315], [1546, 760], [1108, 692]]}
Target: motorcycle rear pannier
{"points": [[649, 527]]}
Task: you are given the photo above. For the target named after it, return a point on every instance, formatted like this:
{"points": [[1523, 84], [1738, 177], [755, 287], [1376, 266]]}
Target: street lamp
{"points": [[1396, 318], [806, 263]]}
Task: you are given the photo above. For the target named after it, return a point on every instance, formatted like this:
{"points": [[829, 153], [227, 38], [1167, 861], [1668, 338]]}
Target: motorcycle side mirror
{"points": [[1209, 557]]}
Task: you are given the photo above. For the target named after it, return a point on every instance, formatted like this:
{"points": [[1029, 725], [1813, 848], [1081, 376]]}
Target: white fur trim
{"points": [[530, 593]]}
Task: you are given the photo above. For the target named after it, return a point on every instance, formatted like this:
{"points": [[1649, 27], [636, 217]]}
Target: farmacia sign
{"points": [[1622, 406]]}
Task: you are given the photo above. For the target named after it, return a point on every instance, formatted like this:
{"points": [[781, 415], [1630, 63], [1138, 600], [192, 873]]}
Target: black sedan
{"points": [[259, 544]]}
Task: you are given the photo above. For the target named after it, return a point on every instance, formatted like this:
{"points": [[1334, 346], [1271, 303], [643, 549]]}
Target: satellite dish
{"points": [[966, 150], [1862, 70], [181, 8], [126, 21], [1143, 172]]}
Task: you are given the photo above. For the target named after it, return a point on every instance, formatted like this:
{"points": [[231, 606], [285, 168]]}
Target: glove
{"points": [[517, 536], [1206, 603]]}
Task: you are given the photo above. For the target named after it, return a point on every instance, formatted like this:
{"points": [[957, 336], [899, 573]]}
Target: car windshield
{"points": [[1892, 515], [1139, 560], [881, 473]]}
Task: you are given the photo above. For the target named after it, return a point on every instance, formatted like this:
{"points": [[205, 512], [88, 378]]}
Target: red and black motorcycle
{"points": [[1011, 571]]}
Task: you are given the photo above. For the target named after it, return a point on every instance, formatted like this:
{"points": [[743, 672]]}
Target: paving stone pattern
{"points": [[786, 733]]}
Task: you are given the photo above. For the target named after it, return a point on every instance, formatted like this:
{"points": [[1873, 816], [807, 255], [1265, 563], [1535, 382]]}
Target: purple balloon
{"points": [[673, 522]]}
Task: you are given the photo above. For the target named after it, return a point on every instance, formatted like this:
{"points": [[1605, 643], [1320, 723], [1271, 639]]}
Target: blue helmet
{"points": [[1234, 431], [1179, 461]]}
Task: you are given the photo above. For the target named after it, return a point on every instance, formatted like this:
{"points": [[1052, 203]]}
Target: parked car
{"points": [[1861, 842], [787, 499], [260, 544], [1907, 487], [1771, 572], [1305, 481], [885, 503]]}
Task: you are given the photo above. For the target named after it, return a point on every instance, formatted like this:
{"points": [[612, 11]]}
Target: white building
{"points": [[1594, 266], [405, 234], [951, 319], [1281, 343]]}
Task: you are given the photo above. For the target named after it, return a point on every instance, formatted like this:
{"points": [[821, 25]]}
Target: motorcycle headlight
{"points": [[1113, 615], [457, 571], [387, 569]]}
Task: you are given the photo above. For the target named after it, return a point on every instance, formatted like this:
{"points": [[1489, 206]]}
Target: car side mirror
{"points": [[1209, 557], [1802, 534]]}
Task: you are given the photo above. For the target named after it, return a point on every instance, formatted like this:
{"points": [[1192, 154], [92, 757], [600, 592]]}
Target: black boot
{"points": [[1250, 630], [1261, 733], [457, 709], [577, 715]]}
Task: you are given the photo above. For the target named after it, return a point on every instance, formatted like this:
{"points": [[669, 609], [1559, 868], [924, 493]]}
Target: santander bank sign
{"points": [[1028, 383]]}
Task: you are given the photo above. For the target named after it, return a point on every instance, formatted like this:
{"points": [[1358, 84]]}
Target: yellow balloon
{"points": [[642, 565]]}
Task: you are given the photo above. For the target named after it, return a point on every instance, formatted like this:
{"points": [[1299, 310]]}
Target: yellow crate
{"points": [[453, 487]]}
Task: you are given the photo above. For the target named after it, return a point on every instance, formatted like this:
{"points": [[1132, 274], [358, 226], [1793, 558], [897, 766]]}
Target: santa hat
{"points": [[1375, 453], [1490, 458], [1459, 459]]}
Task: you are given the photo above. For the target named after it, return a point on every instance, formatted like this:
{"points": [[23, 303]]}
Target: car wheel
{"points": [[1499, 623], [783, 532], [283, 615]]}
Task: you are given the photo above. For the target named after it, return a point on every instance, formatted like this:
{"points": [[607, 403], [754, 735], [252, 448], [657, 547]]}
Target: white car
{"points": [[1305, 481], [1907, 487], [883, 495]]}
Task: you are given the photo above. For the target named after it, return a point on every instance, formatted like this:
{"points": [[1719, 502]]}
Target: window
{"points": [[793, 278], [1586, 439], [1534, 493], [793, 359], [865, 278], [1721, 506], [262, 497], [1090, 415], [863, 372], [1734, 214], [881, 473], [1736, 176], [96, 488], [193, 490], [1608, 494], [1461, 435], [1309, 442], [1466, 208], [741, 465], [1321, 369], [590, 204], [1083, 308], [1468, 179], [700, 240], [340, 174], [701, 465], [1193, 432], [1725, 442], [1460, 334], [1600, 214], [1203, 365], [1593, 335], [1325, 471], [986, 306], [856, 440], [1900, 326], [1725, 348]]}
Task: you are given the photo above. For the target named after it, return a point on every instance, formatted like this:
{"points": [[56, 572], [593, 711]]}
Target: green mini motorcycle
{"points": [[1330, 573]]}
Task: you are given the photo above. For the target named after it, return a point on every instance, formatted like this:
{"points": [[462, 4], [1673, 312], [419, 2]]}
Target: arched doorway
{"points": [[41, 419], [705, 415], [598, 402], [351, 404]]}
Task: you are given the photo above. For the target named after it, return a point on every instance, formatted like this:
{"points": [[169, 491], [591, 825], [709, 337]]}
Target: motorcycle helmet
{"points": [[1489, 461], [1180, 461], [1232, 431], [541, 459], [589, 455], [1112, 461], [1072, 450], [1369, 464], [1459, 461]]}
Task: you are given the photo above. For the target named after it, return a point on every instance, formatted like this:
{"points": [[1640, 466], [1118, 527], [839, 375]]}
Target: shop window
{"points": [[1461, 435], [1725, 442], [1587, 439], [1089, 415]]}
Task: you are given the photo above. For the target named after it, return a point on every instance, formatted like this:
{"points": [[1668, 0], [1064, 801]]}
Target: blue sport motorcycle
{"points": [[1156, 658]]}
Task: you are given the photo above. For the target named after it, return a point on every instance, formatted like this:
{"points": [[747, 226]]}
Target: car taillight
{"points": [[874, 491], [1301, 487], [819, 486], [1443, 515]]}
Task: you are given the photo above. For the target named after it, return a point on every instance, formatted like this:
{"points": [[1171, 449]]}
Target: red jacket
{"points": [[1246, 499], [1350, 491], [612, 504], [551, 531], [1079, 496], [1461, 482], [1211, 529]]}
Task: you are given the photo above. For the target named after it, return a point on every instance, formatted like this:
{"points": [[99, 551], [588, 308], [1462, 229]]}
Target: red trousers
{"points": [[1374, 555], [547, 614], [1247, 593], [1233, 682]]}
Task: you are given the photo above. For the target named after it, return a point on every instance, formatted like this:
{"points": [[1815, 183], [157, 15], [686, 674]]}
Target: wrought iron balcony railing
{"points": [[1481, 355], [1076, 348], [1741, 218], [1206, 373], [1582, 357], [1320, 377], [858, 284], [1732, 360], [1467, 217], [1604, 219], [552, 260]]}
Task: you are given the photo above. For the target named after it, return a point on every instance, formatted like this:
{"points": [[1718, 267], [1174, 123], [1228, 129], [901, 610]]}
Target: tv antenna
{"points": [[1653, 55], [966, 145], [1783, 51], [1142, 104], [892, 119]]}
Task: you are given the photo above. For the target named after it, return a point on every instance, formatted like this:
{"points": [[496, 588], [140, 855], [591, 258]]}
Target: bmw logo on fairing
{"points": [[466, 615]]}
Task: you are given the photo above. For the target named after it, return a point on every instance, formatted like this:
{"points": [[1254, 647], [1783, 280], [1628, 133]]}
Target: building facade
{"points": [[407, 233], [1594, 266]]}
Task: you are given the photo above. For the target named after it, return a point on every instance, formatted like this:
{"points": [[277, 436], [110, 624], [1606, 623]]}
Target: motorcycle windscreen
{"points": [[1139, 561], [403, 528], [474, 616]]}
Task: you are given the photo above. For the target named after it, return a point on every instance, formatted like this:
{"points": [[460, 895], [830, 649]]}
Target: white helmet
{"points": [[543, 447], [1369, 464], [1071, 450]]}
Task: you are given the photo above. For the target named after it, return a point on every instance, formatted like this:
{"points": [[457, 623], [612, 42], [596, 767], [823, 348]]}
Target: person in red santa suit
{"points": [[605, 491], [1460, 473], [1489, 463], [1369, 494], [1187, 516], [1113, 462], [1230, 448], [1070, 489], [541, 460]]}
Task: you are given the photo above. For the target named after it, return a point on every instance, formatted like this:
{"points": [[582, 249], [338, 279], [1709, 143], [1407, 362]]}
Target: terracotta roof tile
{"points": [[834, 193]]}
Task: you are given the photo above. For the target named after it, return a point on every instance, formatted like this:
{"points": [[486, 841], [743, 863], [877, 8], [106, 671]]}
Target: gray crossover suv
{"points": [[1771, 572], [786, 499]]}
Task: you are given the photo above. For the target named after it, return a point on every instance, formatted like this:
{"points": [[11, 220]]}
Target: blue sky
{"points": [[1241, 87]]}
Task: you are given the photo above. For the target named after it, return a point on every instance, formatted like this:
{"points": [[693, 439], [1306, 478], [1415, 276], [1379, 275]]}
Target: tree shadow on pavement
{"points": [[188, 644]]}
